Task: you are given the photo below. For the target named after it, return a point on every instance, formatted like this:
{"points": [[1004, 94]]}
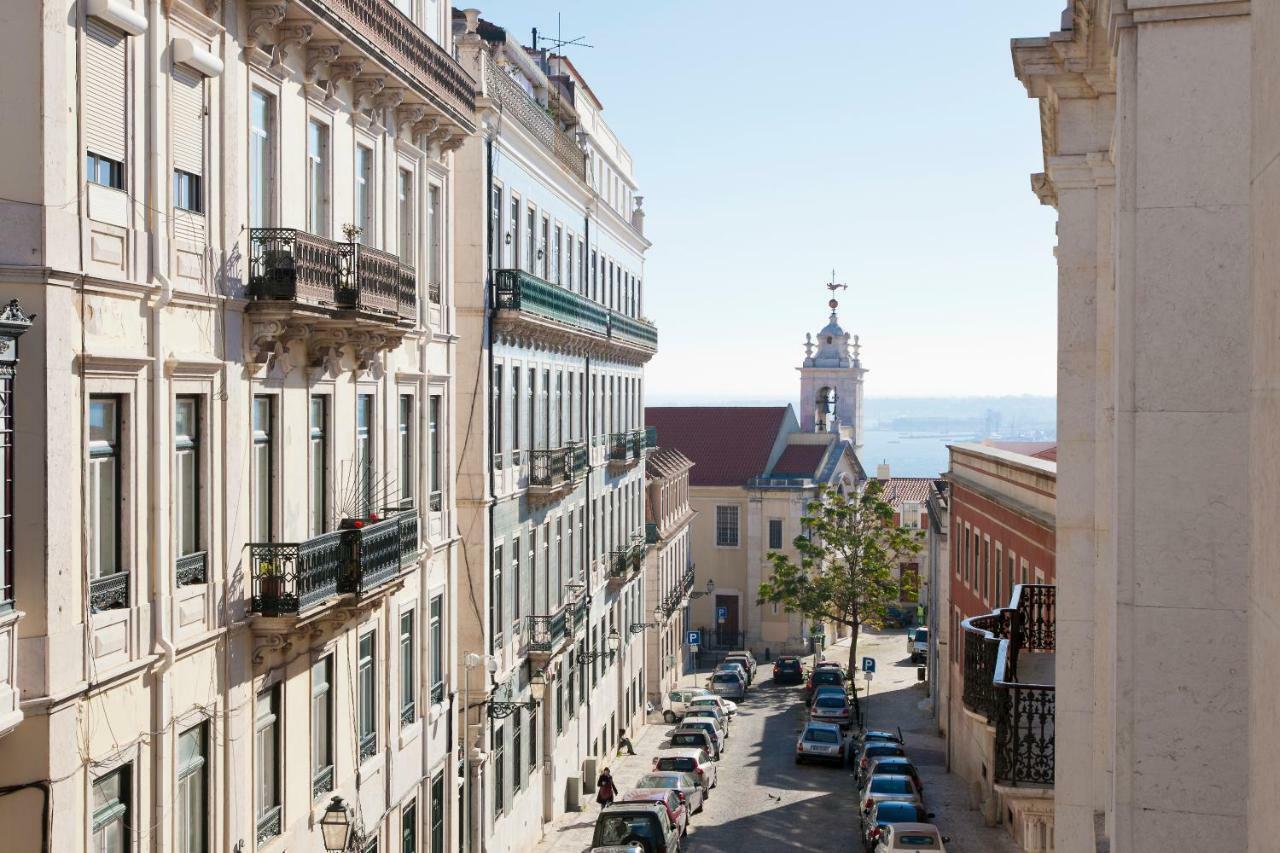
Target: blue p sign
{"points": [[693, 638], [868, 664]]}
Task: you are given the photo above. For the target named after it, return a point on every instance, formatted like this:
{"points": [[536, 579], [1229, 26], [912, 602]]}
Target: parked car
{"points": [[825, 675], [708, 713], [730, 684], [873, 749], [694, 738], [821, 742], [730, 709], [684, 760], [627, 827], [894, 765], [890, 811], [918, 644], [880, 734], [686, 785], [787, 670], [679, 701], [831, 708], [911, 836], [877, 788], [828, 690], [677, 811], [829, 664], [705, 724], [747, 660], [735, 666]]}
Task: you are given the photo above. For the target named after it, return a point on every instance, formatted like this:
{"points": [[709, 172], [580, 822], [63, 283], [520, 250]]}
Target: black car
{"points": [[822, 677], [788, 671], [890, 811]]}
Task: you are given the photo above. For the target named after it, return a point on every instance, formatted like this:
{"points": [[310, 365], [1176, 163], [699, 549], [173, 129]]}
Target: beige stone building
{"points": [[670, 574], [234, 554], [1159, 145]]}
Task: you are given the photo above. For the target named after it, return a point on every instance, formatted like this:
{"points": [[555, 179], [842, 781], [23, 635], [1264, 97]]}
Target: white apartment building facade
{"points": [[235, 551], [670, 575], [550, 266]]}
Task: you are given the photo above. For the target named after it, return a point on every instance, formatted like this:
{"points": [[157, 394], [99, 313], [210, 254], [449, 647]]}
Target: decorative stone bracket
{"points": [[273, 345]]}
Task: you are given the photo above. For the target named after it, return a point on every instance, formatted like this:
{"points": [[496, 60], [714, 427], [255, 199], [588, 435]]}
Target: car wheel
{"points": [[799, 759], [668, 717]]}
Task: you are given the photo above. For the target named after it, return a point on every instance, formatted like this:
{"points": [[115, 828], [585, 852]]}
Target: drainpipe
{"points": [[161, 567], [488, 336]]}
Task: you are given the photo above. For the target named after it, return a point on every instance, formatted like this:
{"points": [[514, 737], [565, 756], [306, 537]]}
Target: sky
{"points": [[774, 142]]}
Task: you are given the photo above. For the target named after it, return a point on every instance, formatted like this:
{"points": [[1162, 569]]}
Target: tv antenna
{"points": [[559, 42]]}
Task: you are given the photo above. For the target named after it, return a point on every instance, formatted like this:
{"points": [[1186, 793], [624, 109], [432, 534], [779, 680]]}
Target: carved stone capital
{"points": [[324, 351], [289, 38], [342, 70], [320, 54], [363, 91], [269, 342], [408, 115], [390, 98], [263, 17]]}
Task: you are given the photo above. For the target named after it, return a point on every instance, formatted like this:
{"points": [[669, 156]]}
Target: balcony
{"points": [[624, 564], [535, 118], [626, 448], [1009, 682], [191, 569], [529, 309], [547, 637], [554, 472]]}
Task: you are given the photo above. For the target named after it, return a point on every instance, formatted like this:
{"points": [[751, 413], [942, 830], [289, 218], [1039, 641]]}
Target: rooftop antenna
{"points": [[559, 42]]}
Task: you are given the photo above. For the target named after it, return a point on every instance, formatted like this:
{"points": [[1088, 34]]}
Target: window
{"points": [[186, 136], [193, 784], [408, 669], [266, 742], [406, 451], [515, 415], [544, 254], [186, 192], [435, 246], [557, 253], [186, 487], [727, 526], [112, 821], [319, 463], [531, 238], [533, 740], [263, 473], [495, 411], [322, 726], [775, 533], [104, 487], [370, 845], [364, 194], [433, 429], [409, 827], [517, 756], [499, 769], [364, 453], [496, 243], [513, 232], [436, 639], [516, 586], [999, 580], [405, 217], [104, 103], [318, 178], [262, 109], [367, 709], [496, 615], [984, 568], [437, 813]]}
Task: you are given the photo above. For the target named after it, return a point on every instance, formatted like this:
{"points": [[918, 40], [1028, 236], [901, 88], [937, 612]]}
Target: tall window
{"points": [[436, 640], [318, 178], [437, 813], [266, 741], [499, 769], [6, 483], [112, 818], [186, 136], [408, 669], [557, 250], [263, 473], [495, 227], [496, 616], [433, 427], [517, 754], [104, 486], [322, 726], [545, 263], [367, 707], [105, 49], [513, 231], [406, 215], [186, 443], [193, 785], [517, 607], [727, 526], [364, 193], [515, 415], [318, 443], [261, 159], [496, 413], [533, 740], [531, 238], [364, 453], [775, 533], [409, 827], [435, 244], [407, 466]]}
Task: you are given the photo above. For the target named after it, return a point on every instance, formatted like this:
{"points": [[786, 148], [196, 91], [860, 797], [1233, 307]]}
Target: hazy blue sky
{"points": [[774, 141]]}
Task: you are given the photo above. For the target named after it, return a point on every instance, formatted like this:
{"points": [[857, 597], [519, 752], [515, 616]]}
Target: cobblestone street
{"points": [[765, 802]]}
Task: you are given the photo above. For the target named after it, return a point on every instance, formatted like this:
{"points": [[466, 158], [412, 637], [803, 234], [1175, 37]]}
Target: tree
{"points": [[847, 553]]}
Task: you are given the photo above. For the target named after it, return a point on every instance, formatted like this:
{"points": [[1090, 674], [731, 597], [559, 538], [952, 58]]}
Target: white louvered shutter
{"points": [[186, 120], [104, 89]]}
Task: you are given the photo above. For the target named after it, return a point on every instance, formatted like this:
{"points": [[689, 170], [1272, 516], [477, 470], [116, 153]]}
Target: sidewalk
{"points": [[571, 833]]}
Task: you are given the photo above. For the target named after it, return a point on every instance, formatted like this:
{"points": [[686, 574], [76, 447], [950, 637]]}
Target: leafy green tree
{"points": [[847, 555]]}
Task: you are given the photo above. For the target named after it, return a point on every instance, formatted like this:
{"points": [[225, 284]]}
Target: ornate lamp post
{"points": [[711, 587], [658, 615], [335, 826]]}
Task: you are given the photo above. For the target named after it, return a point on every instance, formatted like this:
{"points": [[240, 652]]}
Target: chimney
{"points": [[882, 471]]}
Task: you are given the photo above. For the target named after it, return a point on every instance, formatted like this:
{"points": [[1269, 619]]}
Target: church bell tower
{"points": [[831, 379]]}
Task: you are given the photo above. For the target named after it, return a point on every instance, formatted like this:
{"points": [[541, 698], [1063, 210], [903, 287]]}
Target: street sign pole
{"points": [[866, 714]]}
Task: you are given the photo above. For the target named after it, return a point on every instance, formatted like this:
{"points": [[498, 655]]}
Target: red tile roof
{"points": [[728, 444], [799, 460], [898, 490], [1049, 454], [665, 462]]}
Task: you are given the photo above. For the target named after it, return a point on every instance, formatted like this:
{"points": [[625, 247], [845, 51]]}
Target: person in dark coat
{"points": [[605, 789]]}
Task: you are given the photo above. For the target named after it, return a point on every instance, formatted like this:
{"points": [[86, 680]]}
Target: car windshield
{"points": [[723, 677], [821, 736], [659, 780], [898, 813], [616, 828], [688, 739], [922, 635], [788, 664], [687, 765], [830, 702], [886, 767], [707, 726], [876, 749], [891, 785], [915, 841], [828, 676]]}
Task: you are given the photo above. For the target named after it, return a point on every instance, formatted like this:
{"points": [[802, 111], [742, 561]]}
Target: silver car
{"points": [[820, 742], [877, 788], [684, 784], [728, 684]]}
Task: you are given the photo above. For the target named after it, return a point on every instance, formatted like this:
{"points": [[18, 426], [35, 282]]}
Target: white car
{"points": [[729, 709], [705, 724], [695, 761], [821, 742], [679, 700], [918, 644], [910, 836], [710, 712]]}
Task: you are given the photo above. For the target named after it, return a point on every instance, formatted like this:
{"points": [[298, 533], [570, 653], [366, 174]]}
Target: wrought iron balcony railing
{"points": [[535, 118], [651, 535], [686, 583], [109, 593], [522, 291], [627, 560], [546, 632], [1022, 712], [322, 781], [372, 280], [626, 447], [191, 569], [557, 467], [291, 576], [376, 554]]}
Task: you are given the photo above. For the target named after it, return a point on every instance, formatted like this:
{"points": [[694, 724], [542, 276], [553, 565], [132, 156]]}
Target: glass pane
{"points": [[104, 479], [102, 420], [187, 499]]}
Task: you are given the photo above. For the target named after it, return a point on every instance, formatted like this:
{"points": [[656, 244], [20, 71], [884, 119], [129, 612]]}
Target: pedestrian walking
{"points": [[605, 789]]}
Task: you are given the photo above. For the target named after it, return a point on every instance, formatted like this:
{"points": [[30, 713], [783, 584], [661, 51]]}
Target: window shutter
{"points": [[104, 88], [186, 120]]}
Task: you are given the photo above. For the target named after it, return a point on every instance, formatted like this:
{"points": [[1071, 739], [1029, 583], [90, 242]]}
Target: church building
{"points": [[755, 470]]}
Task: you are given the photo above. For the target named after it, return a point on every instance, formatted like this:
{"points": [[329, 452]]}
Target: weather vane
{"points": [[833, 286]]}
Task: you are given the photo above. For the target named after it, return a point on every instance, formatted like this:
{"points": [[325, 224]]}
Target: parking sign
{"points": [[868, 664], [693, 638], [722, 614]]}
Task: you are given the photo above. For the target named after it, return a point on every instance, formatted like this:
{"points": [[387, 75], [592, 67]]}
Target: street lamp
{"points": [[538, 685], [658, 614], [614, 639], [711, 587], [335, 826]]}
